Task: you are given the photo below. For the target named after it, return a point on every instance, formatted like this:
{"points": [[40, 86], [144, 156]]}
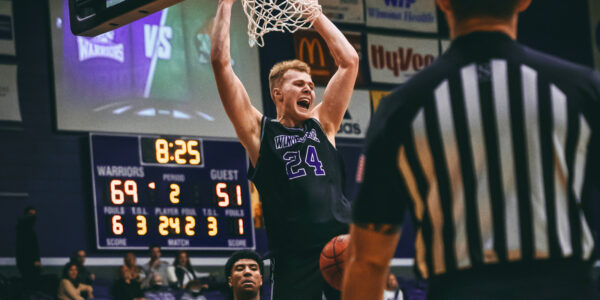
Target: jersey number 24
{"points": [[293, 161]]}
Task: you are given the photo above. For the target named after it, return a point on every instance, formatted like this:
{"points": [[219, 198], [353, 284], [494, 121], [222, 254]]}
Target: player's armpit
{"points": [[371, 248]]}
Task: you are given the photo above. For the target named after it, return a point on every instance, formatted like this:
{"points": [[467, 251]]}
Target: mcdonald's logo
{"points": [[310, 44], [310, 47]]}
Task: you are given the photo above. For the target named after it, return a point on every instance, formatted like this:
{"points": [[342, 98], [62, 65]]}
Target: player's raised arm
{"points": [[245, 117], [339, 89]]}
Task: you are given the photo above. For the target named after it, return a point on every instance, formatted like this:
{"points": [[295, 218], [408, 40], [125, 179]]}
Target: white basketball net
{"points": [[265, 16]]}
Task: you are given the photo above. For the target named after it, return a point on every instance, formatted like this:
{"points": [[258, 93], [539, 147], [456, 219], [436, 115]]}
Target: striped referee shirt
{"points": [[495, 150]]}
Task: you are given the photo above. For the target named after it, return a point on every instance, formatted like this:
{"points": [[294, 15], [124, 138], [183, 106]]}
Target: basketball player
{"points": [[243, 271], [494, 148], [295, 164]]}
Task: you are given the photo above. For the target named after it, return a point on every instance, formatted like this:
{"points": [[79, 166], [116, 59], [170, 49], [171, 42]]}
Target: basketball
{"points": [[332, 260]]}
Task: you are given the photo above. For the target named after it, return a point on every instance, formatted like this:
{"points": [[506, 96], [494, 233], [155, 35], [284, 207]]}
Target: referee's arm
{"points": [[378, 212]]}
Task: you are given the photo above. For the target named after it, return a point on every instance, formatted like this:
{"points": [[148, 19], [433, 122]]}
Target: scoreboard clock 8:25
{"points": [[176, 192]]}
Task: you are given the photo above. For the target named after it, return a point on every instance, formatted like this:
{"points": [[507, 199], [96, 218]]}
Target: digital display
{"points": [[176, 192], [163, 151], [152, 76]]}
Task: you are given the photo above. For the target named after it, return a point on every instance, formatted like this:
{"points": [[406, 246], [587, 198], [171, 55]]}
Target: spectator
{"points": [[135, 271], [126, 287], [70, 288], [182, 272], [392, 292], [243, 272], [156, 270], [83, 274], [27, 248]]}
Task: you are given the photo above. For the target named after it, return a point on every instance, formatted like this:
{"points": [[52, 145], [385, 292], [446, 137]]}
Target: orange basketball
{"points": [[332, 260]]}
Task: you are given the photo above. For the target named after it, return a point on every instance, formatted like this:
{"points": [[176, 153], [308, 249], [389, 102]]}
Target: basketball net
{"points": [[265, 16]]}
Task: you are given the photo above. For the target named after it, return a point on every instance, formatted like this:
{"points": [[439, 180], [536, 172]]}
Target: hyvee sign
{"points": [[395, 60]]}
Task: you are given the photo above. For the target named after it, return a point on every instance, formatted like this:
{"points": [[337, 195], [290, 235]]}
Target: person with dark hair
{"points": [[244, 275], [129, 264], [156, 270], [83, 274], [27, 248], [182, 269], [126, 287], [70, 288], [183, 272], [494, 149]]}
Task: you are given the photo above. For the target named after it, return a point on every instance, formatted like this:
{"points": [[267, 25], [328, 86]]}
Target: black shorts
{"points": [[298, 277]]}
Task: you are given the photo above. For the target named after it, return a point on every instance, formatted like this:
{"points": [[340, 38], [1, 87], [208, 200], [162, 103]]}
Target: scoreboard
{"points": [[175, 192]]}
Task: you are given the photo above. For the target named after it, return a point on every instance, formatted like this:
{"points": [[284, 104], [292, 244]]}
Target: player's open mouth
{"points": [[304, 103]]}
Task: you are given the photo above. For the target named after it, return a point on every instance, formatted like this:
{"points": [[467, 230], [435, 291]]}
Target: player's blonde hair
{"points": [[279, 69]]}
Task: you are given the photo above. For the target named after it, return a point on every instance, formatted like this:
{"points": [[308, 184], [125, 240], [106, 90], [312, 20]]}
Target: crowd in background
{"points": [[156, 279]]}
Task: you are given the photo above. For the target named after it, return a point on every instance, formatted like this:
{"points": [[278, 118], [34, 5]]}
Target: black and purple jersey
{"points": [[299, 176]]}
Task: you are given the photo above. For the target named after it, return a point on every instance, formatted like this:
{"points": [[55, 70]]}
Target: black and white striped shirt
{"points": [[494, 149]]}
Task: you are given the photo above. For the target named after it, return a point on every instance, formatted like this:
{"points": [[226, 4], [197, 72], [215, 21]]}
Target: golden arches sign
{"points": [[310, 47]]}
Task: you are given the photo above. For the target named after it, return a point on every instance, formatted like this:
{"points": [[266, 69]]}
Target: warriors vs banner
{"points": [[151, 76]]}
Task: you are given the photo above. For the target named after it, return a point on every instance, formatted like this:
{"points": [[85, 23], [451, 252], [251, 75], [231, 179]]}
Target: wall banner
{"points": [[344, 11], [414, 15], [357, 117], [9, 95], [397, 59], [7, 32]]}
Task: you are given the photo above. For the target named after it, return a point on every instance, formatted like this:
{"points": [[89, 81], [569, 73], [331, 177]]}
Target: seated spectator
{"points": [[126, 287], [84, 276], [182, 273], [243, 272], [392, 291], [156, 270], [135, 272], [70, 288]]}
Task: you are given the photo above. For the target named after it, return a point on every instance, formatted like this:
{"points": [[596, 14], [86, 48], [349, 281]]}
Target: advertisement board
{"points": [[413, 15], [344, 11], [396, 59], [311, 48]]}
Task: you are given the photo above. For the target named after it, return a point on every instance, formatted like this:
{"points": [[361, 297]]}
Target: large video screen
{"points": [[151, 76]]}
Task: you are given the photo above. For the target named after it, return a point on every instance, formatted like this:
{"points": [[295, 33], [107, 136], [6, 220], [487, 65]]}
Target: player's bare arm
{"points": [[339, 89], [371, 248], [245, 117]]}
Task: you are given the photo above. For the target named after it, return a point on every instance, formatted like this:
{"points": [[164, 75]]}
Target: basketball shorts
{"points": [[298, 277]]}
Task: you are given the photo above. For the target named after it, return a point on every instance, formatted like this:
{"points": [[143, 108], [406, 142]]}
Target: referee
{"points": [[494, 149]]}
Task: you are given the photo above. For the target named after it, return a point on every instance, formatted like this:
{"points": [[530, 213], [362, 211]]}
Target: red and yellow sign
{"points": [[311, 48]]}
